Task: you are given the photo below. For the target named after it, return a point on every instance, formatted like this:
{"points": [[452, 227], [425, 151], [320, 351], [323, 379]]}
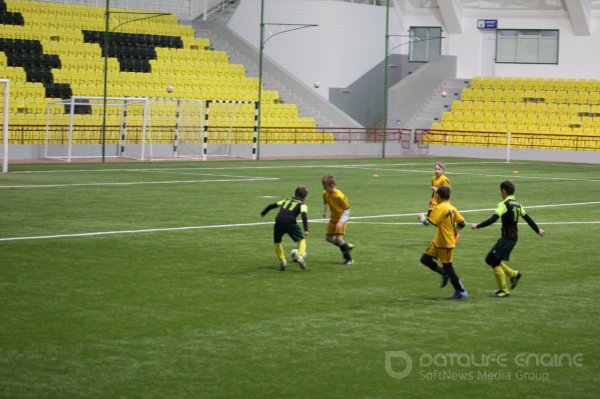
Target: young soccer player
{"points": [[337, 203], [509, 211], [285, 223], [438, 180], [446, 218]]}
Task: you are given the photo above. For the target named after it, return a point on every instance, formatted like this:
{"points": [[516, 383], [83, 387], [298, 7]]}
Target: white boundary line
{"points": [[225, 226]]}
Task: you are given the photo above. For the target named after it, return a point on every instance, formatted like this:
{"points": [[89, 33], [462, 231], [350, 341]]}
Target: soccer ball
{"points": [[294, 254], [317, 84], [169, 89], [444, 93]]}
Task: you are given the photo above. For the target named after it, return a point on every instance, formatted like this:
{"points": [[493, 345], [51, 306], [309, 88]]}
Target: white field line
{"points": [[258, 167], [138, 183], [225, 226]]}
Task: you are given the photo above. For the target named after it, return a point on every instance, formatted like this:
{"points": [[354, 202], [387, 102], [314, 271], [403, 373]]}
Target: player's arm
{"points": [[533, 225], [268, 208], [304, 216], [485, 223]]}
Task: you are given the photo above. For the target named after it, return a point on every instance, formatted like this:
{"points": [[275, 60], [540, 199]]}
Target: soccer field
{"points": [[159, 280]]}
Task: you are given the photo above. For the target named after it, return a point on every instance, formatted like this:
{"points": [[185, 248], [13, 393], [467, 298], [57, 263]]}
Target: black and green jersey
{"points": [[510, 210], [289, 211]]}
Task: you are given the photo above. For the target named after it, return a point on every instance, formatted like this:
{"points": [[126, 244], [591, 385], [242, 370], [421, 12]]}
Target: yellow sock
{"points": [[500, 278], [302, 247], [279, 251], [508, 271]]}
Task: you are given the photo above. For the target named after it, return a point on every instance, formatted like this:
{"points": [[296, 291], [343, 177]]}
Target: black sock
{"points": [[449, 269], [428, 261], [345, 251]]}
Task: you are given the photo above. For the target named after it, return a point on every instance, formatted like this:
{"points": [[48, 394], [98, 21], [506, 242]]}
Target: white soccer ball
{"points": [[294, 254], [317, 84], [444, 93], [169, 89]]}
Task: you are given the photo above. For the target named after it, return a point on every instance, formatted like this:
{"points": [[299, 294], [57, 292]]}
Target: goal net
{"points": [[94, 127], [5, 98], [177, 127], [230, 129]]}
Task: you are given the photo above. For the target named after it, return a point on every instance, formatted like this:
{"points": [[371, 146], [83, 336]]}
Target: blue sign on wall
{"points": [[487, 23]]}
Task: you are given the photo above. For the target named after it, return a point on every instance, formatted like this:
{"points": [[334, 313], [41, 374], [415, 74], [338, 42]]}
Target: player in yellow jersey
{"points": [[447, 219], [337, 204], [285, 223], [439, 179]]}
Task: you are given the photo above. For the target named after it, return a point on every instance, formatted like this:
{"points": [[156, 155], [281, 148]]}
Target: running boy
{"points": [[509, 210], [446, 218], [285, 223], [337, 203]]}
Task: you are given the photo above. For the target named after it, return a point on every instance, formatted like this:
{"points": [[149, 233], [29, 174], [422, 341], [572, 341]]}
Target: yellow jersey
{"points": [[445, 217], [337, 202], [438, 182]]}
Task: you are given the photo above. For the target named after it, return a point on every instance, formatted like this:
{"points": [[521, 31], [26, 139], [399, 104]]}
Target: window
{"points": [[425, 43], [527, 46]]}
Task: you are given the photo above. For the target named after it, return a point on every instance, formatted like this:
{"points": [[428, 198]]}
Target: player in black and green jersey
{"points": [[285, 223], [509, 211]]}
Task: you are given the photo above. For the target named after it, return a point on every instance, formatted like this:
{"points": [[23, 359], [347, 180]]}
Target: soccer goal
{"points": [[5, 110], [230, 129], [94, 127]]}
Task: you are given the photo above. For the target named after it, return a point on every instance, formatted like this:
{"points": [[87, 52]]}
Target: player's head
{"points": [[328, 181], [506, 187], [440, 168], [301, 192], [443, 193]]}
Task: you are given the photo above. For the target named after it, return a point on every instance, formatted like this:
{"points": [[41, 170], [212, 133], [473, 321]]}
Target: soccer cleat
{"points": [[501, 294], [348, 262], [459, 295], [300, 260], [445, 279], [282, 265], [515, 280]]}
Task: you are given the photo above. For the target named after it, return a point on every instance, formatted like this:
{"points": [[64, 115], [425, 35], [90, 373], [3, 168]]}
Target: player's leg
{"points": [[459, 289], [279, 251], [428, 259], [335, 236], [499, 275], [446, 256], [298, 236], [513, 275]]}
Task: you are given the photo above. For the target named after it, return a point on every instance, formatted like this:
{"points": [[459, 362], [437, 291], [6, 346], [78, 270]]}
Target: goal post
{"points": [[5, 111], [86, 127]]}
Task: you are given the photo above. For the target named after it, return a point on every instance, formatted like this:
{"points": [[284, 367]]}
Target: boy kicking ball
{"points": [[285, 223]]}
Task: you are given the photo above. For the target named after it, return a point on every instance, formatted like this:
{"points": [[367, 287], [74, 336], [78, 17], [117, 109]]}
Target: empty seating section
{"points": [[539, 106], [53, 51]]}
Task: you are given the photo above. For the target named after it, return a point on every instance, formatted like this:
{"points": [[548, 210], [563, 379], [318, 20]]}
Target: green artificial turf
{"points": [[159, 280]]}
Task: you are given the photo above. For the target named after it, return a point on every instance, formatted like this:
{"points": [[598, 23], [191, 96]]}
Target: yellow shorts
{"points": [[333, 230], [444, 255]]}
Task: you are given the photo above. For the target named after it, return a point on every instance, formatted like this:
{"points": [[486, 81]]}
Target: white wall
{"points": [[347, 43], [350, 39]]}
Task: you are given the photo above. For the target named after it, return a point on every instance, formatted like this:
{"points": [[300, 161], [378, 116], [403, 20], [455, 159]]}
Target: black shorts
{"points": [[293, 230], [502, 249]]}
